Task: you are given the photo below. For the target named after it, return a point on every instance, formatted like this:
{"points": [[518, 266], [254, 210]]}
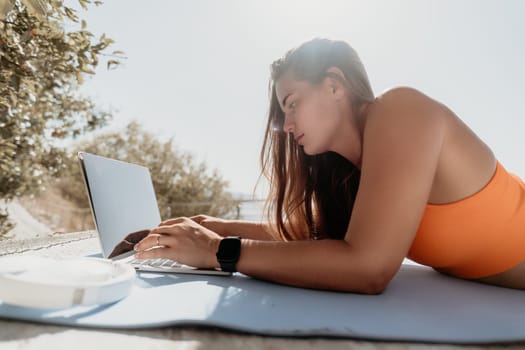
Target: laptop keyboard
{"points": [[156, 263], [165, 265]]}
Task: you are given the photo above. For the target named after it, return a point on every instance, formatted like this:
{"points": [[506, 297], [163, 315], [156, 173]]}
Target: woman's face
{"points": [[312, 115]]}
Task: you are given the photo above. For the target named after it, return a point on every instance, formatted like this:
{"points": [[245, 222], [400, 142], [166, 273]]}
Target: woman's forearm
{"points": [[250, 230], [321, 264]]}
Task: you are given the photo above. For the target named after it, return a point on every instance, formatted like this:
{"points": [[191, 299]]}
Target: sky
{"points": [[197, 71]]}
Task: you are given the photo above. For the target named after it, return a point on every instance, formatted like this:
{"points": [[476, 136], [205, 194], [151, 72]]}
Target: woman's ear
{"points": [[336, 81], [335, 71]]}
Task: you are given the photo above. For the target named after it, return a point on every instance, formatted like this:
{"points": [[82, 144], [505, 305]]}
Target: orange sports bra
{"points": [[478, 236]]}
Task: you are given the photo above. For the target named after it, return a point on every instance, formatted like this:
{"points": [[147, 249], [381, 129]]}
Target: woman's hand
{"points": [[217, 225], [182, 240]]}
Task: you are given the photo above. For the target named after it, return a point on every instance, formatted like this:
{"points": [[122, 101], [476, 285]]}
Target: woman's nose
{"points": [[288, 125]]}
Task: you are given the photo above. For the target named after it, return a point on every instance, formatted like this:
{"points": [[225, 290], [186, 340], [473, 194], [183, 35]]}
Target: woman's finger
{"points": [[172, 221], [198, 218], [150, 241], [156, 253]]}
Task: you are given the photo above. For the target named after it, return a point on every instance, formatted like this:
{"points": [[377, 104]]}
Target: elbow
{"points": [[367, 283], [377, 282], [375, 286]]}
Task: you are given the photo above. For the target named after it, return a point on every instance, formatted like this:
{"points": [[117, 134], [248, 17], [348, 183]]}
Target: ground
{"points": [[46, 215]]}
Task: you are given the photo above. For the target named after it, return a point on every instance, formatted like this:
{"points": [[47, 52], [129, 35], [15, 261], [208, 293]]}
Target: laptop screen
{"points": [[122, 201]]}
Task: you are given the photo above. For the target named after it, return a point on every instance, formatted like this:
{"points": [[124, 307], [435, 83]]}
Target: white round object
{"points": [[42, 282]]}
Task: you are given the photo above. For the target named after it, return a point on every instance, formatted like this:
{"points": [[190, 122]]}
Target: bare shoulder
{"points": [[408, 116], [406, 98], [403, 126], [402, 91], [407, 110]]}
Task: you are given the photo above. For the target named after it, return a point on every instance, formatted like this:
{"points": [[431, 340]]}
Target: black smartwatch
{"points": [[228, 253]]}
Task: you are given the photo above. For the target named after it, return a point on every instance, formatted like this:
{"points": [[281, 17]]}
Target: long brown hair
{"points": [[311, 196]]}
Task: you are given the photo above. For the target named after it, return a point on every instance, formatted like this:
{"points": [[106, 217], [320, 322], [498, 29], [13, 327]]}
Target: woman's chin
{"points": [[312, 151]]}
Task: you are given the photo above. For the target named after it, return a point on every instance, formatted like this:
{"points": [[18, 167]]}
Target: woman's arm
{"points": [[322, 264]]}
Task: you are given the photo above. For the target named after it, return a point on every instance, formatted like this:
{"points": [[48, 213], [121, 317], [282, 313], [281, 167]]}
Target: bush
{"points": [[41, 67]]}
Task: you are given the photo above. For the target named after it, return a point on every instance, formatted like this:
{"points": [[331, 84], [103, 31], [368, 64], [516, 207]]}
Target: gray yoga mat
{"points": [[419, 305]]}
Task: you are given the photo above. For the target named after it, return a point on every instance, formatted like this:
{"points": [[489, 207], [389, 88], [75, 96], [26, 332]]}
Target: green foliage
{"points": [[181, 184], [41, 66]]}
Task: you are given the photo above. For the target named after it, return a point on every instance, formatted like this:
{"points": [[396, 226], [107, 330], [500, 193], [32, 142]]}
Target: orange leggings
{"points": [[478, 236]]}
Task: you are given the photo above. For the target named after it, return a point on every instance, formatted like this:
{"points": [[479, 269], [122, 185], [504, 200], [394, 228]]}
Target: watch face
{"points": [[229, 249]]}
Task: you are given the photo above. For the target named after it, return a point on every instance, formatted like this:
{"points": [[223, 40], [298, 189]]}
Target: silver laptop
{"points": [[124, 208]]}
